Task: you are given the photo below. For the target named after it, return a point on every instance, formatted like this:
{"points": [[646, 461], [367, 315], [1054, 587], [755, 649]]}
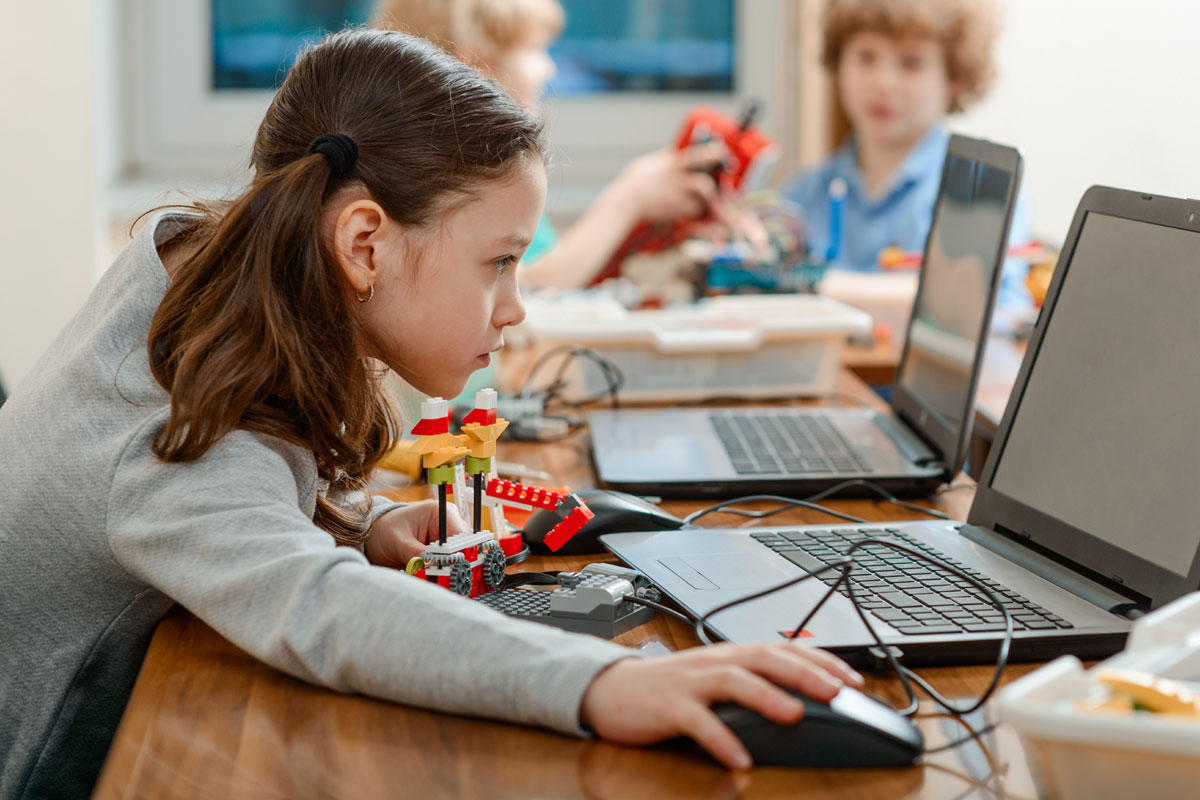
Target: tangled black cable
{"points": [[907, 677], [613, 378], [810, 502]]}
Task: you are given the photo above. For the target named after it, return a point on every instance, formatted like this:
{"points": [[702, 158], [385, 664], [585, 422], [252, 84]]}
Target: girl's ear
{"points": [[359, 242]]}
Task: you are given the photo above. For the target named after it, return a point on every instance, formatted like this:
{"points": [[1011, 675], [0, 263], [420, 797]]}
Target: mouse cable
{"points": [[846, 565], [879, 490], [811, 500], [990, 785], [641, 601], [902, 672], [972, 737], [701, 622], [788, 502]]}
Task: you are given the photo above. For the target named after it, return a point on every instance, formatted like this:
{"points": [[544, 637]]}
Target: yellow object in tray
{"points": [[1150, 692]]}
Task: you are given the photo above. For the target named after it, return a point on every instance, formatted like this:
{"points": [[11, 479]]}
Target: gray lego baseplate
{"points": [[592, 604]]}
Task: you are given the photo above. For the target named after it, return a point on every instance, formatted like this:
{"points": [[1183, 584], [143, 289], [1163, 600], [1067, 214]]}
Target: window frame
{"points": [[180, 128]]}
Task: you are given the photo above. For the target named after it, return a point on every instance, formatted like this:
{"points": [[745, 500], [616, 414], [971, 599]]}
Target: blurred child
{"points": [[508, 40], [203, 432], [900, 66]]}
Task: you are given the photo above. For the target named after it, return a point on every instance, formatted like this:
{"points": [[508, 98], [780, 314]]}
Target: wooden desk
{"points": [[207, 720]]}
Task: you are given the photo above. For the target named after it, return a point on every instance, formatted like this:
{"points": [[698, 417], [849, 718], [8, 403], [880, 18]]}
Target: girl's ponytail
{"points": [[255, 329]]}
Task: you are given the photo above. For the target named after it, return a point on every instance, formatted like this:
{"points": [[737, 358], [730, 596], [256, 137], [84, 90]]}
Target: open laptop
{"points": [[1087, 511], [920, 442]]}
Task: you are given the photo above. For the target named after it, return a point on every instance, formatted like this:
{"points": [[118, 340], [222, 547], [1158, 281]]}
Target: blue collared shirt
{"points": [[899, 216]]}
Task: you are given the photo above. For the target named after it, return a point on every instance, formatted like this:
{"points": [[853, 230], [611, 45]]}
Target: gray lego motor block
{"points": [[591, 597], [592, 604]]}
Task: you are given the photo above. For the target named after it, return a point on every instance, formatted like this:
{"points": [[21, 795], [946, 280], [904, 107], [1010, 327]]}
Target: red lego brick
{"points": [[428, 427], [478, 587], [535, 496], [562, 533], [484, 416], [511, 544]]}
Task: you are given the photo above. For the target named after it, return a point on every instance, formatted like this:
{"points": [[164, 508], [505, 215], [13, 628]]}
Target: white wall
{"points": [[48, 213], [1096, 91]]}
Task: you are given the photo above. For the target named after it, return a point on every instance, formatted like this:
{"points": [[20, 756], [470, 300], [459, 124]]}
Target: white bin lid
{"points": [[740, 323]]}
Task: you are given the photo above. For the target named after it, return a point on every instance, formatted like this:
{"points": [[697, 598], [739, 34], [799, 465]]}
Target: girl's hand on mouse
{"points": [[641, 701], [402, 533]]}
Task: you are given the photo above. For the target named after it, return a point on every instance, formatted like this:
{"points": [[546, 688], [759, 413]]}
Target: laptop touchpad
{"points": [[726, 571]]}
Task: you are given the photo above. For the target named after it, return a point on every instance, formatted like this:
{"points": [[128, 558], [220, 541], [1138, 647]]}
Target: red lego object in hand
{"points": [[751, 153]]}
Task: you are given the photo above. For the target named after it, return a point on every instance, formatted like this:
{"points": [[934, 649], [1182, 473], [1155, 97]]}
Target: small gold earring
{"points": [[370, 294]]}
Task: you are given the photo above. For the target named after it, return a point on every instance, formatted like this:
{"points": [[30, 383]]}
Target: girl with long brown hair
{"points": [[203, 430]]}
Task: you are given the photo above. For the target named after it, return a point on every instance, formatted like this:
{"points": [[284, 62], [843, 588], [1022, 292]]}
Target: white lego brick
{"points": [[460, 542], [435, 408], [485, 399]]}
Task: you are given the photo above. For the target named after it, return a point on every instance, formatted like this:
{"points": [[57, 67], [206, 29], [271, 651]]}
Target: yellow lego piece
{"points": [[485, 433], [436, 441], [481, 449], [1114, 704], [401, 458], [445, 455], [1151, 692]]}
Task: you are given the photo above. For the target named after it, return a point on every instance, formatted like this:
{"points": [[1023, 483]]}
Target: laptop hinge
{"points": [[1058, 574], [910, 445]]}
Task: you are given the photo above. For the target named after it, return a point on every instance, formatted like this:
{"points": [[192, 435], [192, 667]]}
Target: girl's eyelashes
{"points": [[503, 263]]}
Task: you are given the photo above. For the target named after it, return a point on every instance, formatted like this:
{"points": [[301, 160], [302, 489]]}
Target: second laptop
{"points": [[918, 443]]}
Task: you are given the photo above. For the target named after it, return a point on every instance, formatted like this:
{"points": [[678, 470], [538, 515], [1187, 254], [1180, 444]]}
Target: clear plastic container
{"points": [[1075, 753], [747, 346]]}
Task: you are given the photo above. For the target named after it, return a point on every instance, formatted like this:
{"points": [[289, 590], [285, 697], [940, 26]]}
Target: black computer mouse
{"points": [[852, 730], [614, 512]]}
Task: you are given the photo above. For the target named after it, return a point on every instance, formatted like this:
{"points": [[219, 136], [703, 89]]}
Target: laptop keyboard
{"points": [[784, 443], [907, 593]]}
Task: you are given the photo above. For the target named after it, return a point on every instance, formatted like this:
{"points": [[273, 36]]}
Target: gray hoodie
{"points": [[98, 538]]}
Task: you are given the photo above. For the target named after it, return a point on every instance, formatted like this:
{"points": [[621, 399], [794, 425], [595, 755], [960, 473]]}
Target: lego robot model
{"points": [[474, 563]]}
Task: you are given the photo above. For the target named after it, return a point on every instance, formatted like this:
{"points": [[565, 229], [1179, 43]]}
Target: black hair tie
{"points": [[341, 151]]}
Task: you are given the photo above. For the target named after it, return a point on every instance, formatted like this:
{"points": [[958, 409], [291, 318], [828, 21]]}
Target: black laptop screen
{"points": [[956, 280], [1106, 436]]}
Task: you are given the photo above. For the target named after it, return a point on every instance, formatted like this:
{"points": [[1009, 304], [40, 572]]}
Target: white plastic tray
{"points": [[751, 346], [1084, 754]]}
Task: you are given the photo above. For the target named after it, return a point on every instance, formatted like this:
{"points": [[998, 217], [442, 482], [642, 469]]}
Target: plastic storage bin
{"points": [[1085, 754], [748, 346]]}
